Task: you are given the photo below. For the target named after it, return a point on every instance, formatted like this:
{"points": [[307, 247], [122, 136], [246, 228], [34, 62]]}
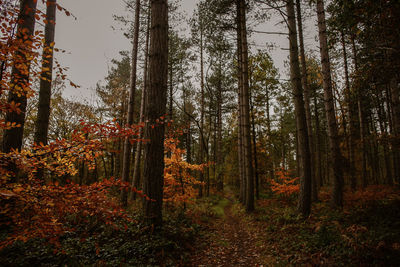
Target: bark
{"points": [[269, 145], [395, 104], [350, 115], [220, 182], [361, 120], [246, 111], [126, 162], [304, 204], [242, 194], [382, 118], [171, 94], [306, 88], [43, 114], [12, 138], [156, 100], [136, 170], [318, 153], [336, 157], [254, 139], [202, 143]]}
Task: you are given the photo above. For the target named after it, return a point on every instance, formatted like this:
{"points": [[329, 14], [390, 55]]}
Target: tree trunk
{"points": [[382, 118], [304, 204], [136, 170], [202, 143], [395, 104], [220, 182], [254, 137], [171, 94], [269, 145], [12, 138], [153, 173], [126, 162], [350, 115], [246, 111], [242, 194], [318, 153], [43, 114], [336, 157], [306, 87]]}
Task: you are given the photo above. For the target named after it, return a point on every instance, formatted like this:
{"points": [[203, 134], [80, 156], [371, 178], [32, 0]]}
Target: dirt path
{"points": [[229, 243]]}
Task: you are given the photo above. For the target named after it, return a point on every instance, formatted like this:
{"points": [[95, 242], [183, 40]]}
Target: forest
{"points": [[196, 148]]}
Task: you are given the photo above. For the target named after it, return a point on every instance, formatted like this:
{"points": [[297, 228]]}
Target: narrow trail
{"points": [[230, 243]]}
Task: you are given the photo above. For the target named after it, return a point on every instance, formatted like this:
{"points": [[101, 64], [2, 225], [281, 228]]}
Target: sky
{"points": [[91, 43]]}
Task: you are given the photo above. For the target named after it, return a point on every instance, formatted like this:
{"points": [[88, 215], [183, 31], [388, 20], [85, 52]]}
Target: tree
{"points": [[198, 25], [126, 161], [301, 121], [12, 138], [336, 157], [306, 91], [153, 170], [245, 106], [136, 168], [43, 114]]}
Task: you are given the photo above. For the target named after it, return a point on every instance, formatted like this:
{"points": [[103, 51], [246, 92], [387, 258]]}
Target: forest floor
{"points": [[229, 241], [216, 231], [365, 233]]}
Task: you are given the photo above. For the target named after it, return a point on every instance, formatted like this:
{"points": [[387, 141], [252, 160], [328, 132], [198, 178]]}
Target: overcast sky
{"points": [[91, 42]]}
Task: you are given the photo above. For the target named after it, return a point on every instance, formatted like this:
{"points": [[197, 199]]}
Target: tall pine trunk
{"points": [[336, 157], [242, 184], [350, 117], [306, 88], [304, 204], [202, 103], [156, 100], [246, 111]]}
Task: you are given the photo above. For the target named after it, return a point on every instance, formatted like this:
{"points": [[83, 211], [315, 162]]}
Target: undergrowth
{"points": [[366, 232], [132, 245]]}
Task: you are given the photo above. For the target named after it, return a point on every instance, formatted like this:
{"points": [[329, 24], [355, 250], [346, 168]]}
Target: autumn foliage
{"points": [[179, 180], [284, 184], [36, 210], [33, 208], [22, 54]]}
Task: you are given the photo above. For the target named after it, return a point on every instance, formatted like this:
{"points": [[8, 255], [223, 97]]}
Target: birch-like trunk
{"points": [[126, 160]]}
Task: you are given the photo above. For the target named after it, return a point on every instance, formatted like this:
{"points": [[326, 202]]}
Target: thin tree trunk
{"points": [[43, 114], [253, 129], [395, 105], [382, 118], [202, 143], [306, 87], [153, 171], [171, 94], [246, 111], [361, 121], [136, 170], [336, 157], [350, 108], [269, 145], [304, 204], [126, 162], [242, 194], [220, 182], [318, 153]]}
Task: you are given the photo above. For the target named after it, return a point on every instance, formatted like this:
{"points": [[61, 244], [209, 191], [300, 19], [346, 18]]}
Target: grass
{"points": [[219, 208]]}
